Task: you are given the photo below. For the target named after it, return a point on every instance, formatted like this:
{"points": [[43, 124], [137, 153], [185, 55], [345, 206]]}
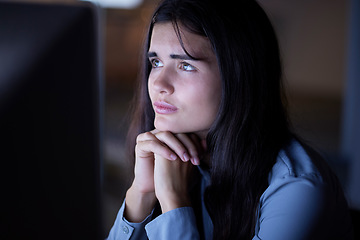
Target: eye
{"points": [[187, 67], [156, 63]]}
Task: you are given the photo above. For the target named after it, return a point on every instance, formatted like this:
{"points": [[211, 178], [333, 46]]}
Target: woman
{"points": [[214, 156]]}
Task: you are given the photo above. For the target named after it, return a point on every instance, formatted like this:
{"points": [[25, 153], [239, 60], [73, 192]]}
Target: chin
{"points": [[168, 127], [176, 127]]}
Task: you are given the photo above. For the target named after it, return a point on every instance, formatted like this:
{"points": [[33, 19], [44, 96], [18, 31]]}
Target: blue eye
{"points": [[187, 67], [156, 63]]}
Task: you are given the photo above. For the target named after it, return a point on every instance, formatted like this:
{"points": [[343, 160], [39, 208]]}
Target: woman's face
{"points": [[185, 93]]}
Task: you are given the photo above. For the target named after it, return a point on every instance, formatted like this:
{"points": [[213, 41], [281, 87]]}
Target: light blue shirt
{"points": [[303, 201]]}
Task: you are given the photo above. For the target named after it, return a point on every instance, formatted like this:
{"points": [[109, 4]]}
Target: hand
{"points": [[140, 198], [172, 177], [165, 144]]}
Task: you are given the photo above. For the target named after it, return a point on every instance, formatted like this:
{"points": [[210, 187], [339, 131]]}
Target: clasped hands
{"points": [[163, 166]]}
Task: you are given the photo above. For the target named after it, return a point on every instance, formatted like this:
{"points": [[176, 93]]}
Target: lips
{"points": [[162, 107]]}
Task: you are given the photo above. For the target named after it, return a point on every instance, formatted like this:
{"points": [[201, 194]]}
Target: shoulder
{"points": [[299, 163], [294, 162], [300, 171], [295, 184], [303, 197]]}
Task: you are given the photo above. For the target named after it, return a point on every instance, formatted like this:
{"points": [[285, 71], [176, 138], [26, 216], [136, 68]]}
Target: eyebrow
{"points": [[173, 56], [151, 54]]}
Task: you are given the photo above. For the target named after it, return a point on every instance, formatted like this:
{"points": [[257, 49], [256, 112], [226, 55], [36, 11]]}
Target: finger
{"points": [[198, 142], [204, 144], [200, 146], [155, 131], [143, 148], [147, 142], [174, 144], [145, 136], [191, 146]]}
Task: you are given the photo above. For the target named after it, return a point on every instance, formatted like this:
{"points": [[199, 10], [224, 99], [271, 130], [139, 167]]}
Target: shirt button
{"points": [[125, 229]]}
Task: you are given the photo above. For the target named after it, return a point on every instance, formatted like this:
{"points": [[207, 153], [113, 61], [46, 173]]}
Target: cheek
{"points": [[206, 98], [211, 90], [149, 88], [212, 99]]}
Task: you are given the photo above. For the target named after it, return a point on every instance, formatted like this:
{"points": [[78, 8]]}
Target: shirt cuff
{"points": [[123, 229], [179, 223]]}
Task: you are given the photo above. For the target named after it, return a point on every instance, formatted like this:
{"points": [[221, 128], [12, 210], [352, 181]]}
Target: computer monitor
{"points": [[50, 122]]}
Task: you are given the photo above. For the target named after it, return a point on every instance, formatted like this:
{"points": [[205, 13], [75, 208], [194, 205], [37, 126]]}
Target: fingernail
{"points": [[173, 157], [186, 157], [195, 161]]}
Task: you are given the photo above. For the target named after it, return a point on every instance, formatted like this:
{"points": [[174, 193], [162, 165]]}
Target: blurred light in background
{"points": [[128, 4]]}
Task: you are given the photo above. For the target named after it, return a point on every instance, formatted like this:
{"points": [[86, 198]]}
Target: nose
{"points": [[161, 81]]}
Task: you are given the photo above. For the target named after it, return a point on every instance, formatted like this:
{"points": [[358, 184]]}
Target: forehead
{"points": [[164, 38]]}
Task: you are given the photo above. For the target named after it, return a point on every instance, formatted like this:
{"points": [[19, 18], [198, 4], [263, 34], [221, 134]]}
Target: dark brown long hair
{"points": [[252, 124]]}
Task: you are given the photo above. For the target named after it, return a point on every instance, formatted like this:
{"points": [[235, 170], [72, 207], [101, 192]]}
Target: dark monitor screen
{"points": [[50, 122]]}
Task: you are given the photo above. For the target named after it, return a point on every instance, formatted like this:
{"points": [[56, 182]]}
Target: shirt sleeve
{"points": [[124, 230], [177, 224], [294, 209]]}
